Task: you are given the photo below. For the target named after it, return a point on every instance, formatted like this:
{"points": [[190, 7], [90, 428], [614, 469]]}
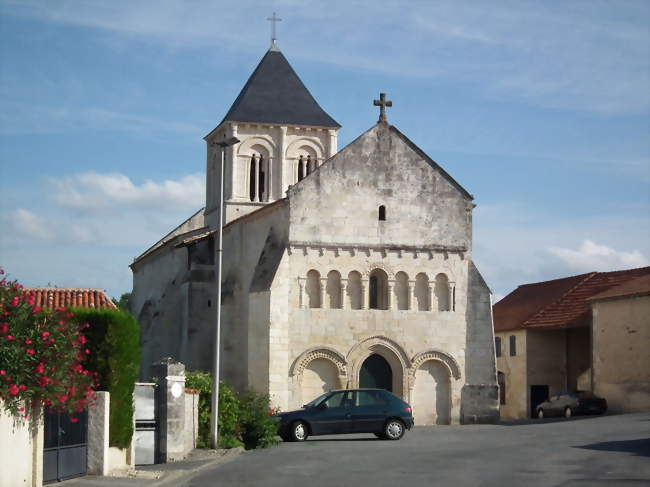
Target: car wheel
{"points": [[393, 429], [540, 413], [298, 431], [568, 413]]}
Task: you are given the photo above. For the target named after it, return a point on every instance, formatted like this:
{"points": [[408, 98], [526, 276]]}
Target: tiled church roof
{"points": [[55, 297], [561, 303], [275, 94]]}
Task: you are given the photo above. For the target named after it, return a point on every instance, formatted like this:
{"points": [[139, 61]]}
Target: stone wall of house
{"points": [[514, 370], [621, 363]]}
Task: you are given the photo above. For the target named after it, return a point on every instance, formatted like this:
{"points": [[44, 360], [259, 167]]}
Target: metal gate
{"points": [[65, 441], [145, 423]]}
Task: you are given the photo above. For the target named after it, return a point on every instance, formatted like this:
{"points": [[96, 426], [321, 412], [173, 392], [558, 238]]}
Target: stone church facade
{"points": [[340, 269]]}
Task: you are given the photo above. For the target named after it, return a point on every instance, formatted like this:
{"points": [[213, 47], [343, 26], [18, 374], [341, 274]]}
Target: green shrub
{"points": [[259, 429], [114, 338], [244, 419], [229, 435]]}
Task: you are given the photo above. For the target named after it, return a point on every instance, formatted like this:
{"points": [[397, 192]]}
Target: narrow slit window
{"points": [[513, 345], [382, 213]]}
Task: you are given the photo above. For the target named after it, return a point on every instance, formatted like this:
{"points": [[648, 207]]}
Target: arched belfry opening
{"points": [[376, 373]]}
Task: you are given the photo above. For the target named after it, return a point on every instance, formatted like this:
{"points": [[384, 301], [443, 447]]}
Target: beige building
{"points": [[621, 345], [548, 335], [341, 268]]}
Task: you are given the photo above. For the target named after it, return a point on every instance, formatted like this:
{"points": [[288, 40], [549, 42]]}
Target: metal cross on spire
{"points": [[273, 21], [382, 103]]}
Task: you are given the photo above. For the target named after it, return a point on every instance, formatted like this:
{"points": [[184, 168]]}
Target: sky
{"points": [[541, 110]]}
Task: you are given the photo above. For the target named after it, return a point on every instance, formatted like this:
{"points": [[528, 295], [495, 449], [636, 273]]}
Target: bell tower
{"points": [[284, 136]]}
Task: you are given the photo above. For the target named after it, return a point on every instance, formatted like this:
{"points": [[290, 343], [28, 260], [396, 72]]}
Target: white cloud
{"points": [[513, 242], [591, 256], [30, 225], [569, 56], [94, 191]]}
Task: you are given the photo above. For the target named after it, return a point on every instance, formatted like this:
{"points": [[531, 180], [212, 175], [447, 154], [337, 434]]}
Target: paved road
{"points": [[589, 451]]}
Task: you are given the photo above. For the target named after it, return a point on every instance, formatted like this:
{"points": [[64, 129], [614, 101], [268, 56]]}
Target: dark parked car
{"points": [[348, 411], [569, 403]]}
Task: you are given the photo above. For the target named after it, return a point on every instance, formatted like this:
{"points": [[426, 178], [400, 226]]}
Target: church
{"points": [[341, 268]]}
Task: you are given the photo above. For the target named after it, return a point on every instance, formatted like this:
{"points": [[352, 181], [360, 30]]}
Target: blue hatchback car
{"points": [[348, 411]]}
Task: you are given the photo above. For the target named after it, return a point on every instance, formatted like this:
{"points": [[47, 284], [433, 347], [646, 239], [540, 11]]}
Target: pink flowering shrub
{"points": [[42, 355]]}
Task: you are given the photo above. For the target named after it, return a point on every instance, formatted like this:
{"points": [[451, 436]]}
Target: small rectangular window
{"points": [[513, 345], [497, 345]]}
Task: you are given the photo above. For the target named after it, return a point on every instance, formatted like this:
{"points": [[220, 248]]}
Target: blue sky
{"points": [[539, 109]]}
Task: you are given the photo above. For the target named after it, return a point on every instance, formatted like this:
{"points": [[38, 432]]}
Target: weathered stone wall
{"points": [[621, 362], [480, 401], [514, 370], [424, 206], [546, 360]]}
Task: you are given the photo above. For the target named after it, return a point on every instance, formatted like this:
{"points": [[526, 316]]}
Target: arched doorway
{"points": [[377, 373]]}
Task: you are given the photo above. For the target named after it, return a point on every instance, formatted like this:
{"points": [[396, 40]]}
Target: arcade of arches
{"points": [[426, 381], [377, 291]]}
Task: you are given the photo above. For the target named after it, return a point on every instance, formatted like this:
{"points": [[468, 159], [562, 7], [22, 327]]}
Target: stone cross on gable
{"points": [[273, 21], [382, 103]]}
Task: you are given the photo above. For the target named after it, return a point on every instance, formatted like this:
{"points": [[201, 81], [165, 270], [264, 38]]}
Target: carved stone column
{"points": [[433, 299], [452, 296], [302, 299], [391, 294], [344, 294], [269, 180], [364, 293], [411, 304], [323, 294]]}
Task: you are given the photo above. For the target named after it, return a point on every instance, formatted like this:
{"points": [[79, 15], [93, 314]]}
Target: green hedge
{"points": [[114, 338], [244, 418]]}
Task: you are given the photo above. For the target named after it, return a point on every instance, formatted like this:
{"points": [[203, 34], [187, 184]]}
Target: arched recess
{"points": [[318, 370], [441, 291], [431, 395], [313, 289], [431, 382], [334, 289], [402, 290], [446, 359], [353, 290], [388, 349], [422, 293], [258, 163], [309, 152], [378, 289]]}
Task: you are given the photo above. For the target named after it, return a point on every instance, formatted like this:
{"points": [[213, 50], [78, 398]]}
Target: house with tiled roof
{"points": [[62, 297], [578, 332]]}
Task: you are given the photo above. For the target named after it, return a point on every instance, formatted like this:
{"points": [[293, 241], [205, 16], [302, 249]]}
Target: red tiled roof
{"points": [[562, 303], [637, 287], [522, 303], [55, 297]]}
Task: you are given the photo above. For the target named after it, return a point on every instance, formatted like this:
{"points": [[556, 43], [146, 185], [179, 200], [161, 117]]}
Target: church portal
{"points": [[376, 373]]}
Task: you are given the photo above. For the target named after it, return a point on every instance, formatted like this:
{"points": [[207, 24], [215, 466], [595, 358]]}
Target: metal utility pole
{"points": [[217, 332]]}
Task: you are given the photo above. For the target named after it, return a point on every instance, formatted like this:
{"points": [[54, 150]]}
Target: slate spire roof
{"points": [[275, 94]]}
